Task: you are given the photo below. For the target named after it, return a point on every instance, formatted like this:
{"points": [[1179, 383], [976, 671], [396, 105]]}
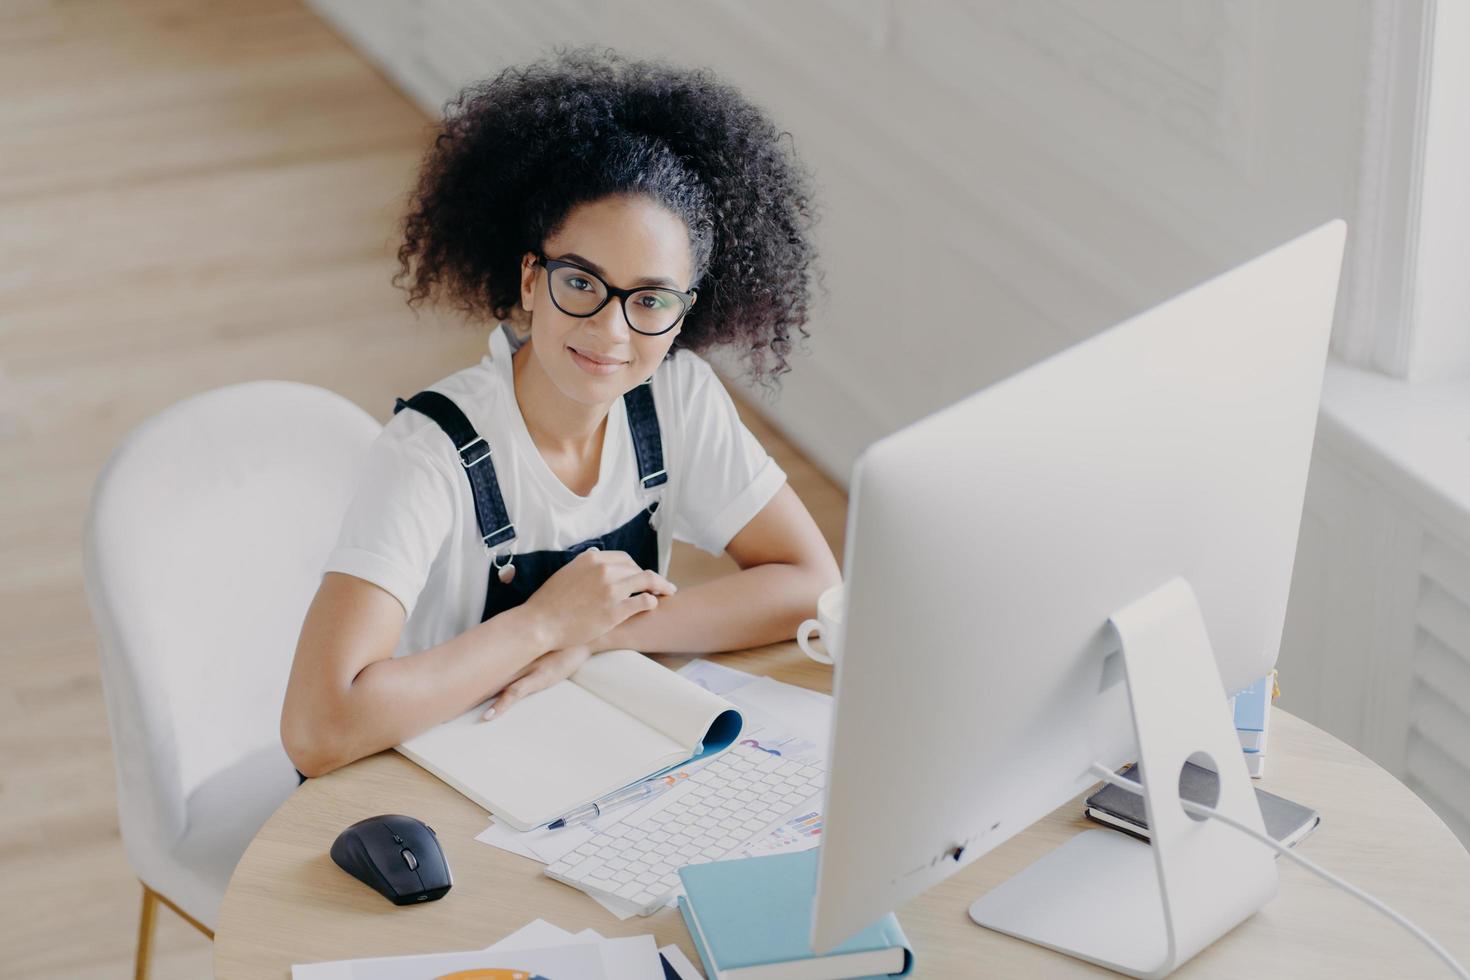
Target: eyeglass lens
{"points": [[649, 310]]}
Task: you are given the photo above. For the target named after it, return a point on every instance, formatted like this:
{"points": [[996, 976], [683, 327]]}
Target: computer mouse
{"points": [[397, 855]]}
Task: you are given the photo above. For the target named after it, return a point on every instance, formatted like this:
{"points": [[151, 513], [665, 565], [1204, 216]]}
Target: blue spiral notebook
{"points": [[750, 919]]}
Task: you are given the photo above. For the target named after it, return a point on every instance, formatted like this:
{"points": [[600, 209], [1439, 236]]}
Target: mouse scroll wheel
{"points": [[413, 862]]}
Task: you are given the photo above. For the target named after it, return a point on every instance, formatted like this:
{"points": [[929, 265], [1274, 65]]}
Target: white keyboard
{"points": [[738, 796]]}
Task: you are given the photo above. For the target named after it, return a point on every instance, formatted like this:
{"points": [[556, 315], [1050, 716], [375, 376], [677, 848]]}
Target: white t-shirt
{"points": [[411, 528]]}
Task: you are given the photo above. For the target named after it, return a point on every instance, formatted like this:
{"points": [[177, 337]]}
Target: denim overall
{"points": [[512, 581]]}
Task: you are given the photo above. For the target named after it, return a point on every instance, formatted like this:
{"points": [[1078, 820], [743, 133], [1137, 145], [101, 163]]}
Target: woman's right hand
{"points": [[592, 593]]}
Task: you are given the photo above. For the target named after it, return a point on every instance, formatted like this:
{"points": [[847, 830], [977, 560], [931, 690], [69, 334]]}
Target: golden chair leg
{"points": [[151, 899], [145, 933]]}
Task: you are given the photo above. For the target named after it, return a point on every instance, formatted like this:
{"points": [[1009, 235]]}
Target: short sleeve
{"points": [[398, 520], [726, 476]]}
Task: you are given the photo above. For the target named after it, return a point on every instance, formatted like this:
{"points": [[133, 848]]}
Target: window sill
{"points": [[1412, 437]]}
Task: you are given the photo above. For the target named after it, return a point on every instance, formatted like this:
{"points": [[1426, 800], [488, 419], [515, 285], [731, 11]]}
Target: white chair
{"points": [[208, 528]]}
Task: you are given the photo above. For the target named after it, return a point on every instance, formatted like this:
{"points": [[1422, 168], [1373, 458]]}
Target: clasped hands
{"points": [[578, 606]]}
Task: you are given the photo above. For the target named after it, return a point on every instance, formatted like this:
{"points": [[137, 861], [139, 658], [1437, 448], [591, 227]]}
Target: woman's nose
{"points": [[613, 319]]}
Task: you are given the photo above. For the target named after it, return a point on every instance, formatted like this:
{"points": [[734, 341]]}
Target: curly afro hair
{"points": [[518, 152]]}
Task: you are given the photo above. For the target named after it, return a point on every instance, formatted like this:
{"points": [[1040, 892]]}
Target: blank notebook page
{"points": [[551, 752]]}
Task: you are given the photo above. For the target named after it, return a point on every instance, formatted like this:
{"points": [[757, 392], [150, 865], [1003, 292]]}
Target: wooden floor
{"points": [[192, 194]]}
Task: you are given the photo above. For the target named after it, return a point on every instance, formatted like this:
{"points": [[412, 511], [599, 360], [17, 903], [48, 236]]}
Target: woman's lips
{"points": [[593, 365]]}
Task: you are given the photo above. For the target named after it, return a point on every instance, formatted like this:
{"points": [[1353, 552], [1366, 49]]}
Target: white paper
{"points": [[715, 678], [766, 731], [580, 960], [509, 839], [537, 933], [532, 934], [572, 961], [680, 963], [799, 711], [625, 958]]}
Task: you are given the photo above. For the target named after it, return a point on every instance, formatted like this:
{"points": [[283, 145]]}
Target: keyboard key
{"points": [[587, 866], [720, 806]]}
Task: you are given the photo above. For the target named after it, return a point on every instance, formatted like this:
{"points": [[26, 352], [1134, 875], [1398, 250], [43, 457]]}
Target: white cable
{"points": [[1108, 776]]}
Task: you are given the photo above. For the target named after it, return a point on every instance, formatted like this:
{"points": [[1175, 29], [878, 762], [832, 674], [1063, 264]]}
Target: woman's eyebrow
{"points": [[594, 267]]}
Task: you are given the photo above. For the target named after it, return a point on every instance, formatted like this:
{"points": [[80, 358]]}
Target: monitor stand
{"points": [[1110, 899]]}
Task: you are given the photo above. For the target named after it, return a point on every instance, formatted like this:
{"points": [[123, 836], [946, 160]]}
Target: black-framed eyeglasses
{"points": [[580, 292]]}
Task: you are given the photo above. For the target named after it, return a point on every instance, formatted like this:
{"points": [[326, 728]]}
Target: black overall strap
{"points": [[647, 444], [474, 456]]}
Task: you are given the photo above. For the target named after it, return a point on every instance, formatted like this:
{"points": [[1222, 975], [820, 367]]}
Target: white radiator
{"points": [[1377, 641]]}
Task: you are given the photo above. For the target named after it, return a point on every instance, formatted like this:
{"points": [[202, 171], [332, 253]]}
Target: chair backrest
{"points": [[204, 545]]}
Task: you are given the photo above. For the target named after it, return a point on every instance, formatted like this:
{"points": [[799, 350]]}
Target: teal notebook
{"points": [[751, 919]]}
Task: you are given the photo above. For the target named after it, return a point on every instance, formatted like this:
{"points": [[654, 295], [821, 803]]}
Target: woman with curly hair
{"points": [[617, 218]]}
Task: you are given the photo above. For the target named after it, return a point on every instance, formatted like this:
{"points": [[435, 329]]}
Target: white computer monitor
{"points": [[1036, 576]]}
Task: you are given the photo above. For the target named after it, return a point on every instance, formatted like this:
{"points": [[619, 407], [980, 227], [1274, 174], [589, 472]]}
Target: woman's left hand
{"points": [[538, 675]]}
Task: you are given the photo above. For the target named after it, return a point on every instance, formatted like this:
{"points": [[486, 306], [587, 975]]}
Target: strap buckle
{"points": [[494, 539], [653, 480], [464, 460]]}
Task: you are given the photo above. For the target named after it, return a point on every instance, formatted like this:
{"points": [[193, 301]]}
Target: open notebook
{"points": [[618, 719]]}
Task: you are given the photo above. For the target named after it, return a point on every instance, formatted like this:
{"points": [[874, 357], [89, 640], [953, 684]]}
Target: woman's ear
{"points": [[528, 281]]}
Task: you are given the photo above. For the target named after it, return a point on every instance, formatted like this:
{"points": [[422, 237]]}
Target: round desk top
{"points": [[288, 903]]}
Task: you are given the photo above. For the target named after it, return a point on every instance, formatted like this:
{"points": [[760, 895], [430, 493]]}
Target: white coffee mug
{"points": [[829, 623]]}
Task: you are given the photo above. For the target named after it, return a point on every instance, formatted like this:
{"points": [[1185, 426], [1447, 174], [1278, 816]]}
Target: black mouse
{"points": [[397, 855]]}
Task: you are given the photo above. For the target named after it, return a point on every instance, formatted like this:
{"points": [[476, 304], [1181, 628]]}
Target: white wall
{"points": [[1000, 179], [1003, 178]]}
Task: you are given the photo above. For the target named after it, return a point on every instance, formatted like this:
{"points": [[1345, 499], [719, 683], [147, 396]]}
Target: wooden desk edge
{"points": [[290, 850]]}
